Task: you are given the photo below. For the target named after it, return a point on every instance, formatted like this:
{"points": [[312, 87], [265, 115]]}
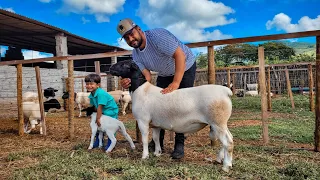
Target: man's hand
{"points": [[98, 122], [173, 86], [125, 83]]}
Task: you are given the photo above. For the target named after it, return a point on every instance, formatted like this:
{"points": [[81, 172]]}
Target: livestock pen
{"points": [[62, 152]]}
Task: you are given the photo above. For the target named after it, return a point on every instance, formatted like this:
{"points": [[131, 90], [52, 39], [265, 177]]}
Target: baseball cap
{"points": [[125, 26]]}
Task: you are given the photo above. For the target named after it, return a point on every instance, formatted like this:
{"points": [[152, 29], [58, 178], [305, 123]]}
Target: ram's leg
{"points": [[155, 137], [225, 153], [144, 129]]}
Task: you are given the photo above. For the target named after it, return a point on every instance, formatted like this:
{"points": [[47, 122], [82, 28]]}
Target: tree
{"points": [[277, 51]]}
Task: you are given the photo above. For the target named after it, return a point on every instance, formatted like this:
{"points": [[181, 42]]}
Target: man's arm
{"points": [[180, 65]]}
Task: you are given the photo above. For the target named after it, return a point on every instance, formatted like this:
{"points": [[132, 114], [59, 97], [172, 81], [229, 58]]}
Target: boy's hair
{"points": [[92, 78]]}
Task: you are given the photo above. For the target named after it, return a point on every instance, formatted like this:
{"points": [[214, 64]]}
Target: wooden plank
{"points": [[69, 58], [71, 100], [19, 99], [211, 66], [269, 88], [262, 85], [255, 39], [40, 96], [311, 94], [317, 110], [289, 89]]}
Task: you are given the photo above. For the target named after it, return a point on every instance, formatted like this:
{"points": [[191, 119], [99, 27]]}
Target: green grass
{"points": [[250, 161]]}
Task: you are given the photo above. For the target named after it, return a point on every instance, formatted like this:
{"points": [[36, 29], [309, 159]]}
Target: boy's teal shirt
{"points": [[101, 97]]}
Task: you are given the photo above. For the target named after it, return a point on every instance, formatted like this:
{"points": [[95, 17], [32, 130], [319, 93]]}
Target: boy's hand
{"points": [[98, 122]]}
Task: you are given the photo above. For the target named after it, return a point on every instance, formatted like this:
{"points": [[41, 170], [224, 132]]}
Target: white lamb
{"points": [[124, 101], [184, 111], [82, 100], [121, 97], [110, 126]]}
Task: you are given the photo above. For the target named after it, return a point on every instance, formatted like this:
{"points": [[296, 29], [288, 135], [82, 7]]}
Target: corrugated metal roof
{"points": [[25, 33]]}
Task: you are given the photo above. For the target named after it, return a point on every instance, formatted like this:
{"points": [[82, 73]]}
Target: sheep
{"points": [[110, 126], [32, 96], [121, 97], [252, 87], [184, 110], [31, 113], [124, 101], [251, 93], [81, 99]]}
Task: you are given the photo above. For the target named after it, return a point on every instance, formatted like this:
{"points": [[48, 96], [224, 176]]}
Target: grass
{"points": [[251, 159]]}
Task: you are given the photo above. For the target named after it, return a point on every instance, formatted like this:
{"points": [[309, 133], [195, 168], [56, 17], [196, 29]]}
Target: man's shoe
{"points": [[178, 151]]}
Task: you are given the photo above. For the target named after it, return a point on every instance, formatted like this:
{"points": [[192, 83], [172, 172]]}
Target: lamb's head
{"points": [[125, 69], [128, 69]]}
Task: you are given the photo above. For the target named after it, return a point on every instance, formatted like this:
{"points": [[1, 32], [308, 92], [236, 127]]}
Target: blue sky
{"points": [[189, 20]]}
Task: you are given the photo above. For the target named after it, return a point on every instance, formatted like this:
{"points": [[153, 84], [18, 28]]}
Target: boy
{"points": [[102, 101]]}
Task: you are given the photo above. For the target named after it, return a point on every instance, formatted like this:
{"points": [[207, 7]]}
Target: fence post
{"points": [[233, 83], [71, 99], [262, 82], [19, 99], [311, 98], [40, 96], [289, 88], [97, 67], [317, 123], [211, 66], [228, 78], [269, 88]]}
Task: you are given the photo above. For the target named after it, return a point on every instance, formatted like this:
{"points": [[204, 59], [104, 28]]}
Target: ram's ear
{"points": [[134, 66]]}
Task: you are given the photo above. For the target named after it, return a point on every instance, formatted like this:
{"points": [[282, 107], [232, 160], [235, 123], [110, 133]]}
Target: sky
{"points": [[190, 20]]}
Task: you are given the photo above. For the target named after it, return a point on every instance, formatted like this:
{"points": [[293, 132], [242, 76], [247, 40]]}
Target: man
{"points": [[160, 51]]}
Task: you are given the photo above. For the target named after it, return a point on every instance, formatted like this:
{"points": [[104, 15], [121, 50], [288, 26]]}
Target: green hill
{"points": [[302, 47]]}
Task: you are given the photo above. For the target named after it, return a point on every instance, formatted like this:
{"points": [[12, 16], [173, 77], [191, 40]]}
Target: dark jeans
{"points": [[187, 81]]}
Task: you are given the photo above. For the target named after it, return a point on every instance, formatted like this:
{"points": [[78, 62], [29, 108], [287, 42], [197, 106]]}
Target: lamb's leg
{"points": [[93, 134], [155, 137], [126, 135], [112, 139], [79, 105], [100, 139], [144, 129], [124, 108], [26, 124]]}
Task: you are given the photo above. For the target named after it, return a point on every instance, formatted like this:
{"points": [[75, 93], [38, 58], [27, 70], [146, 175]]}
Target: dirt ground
{"points": [[57, 137]]}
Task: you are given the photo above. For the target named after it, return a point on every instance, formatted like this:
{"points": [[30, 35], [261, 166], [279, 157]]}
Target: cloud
{"points": [[123, 44], [101, 9], [45, 1], [189, 20], [282, 21], [84, 20], [29, 54], [10, 9]]}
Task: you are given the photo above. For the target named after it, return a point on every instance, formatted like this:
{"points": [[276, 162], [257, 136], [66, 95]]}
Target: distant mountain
{"points": [[302, 47]]}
